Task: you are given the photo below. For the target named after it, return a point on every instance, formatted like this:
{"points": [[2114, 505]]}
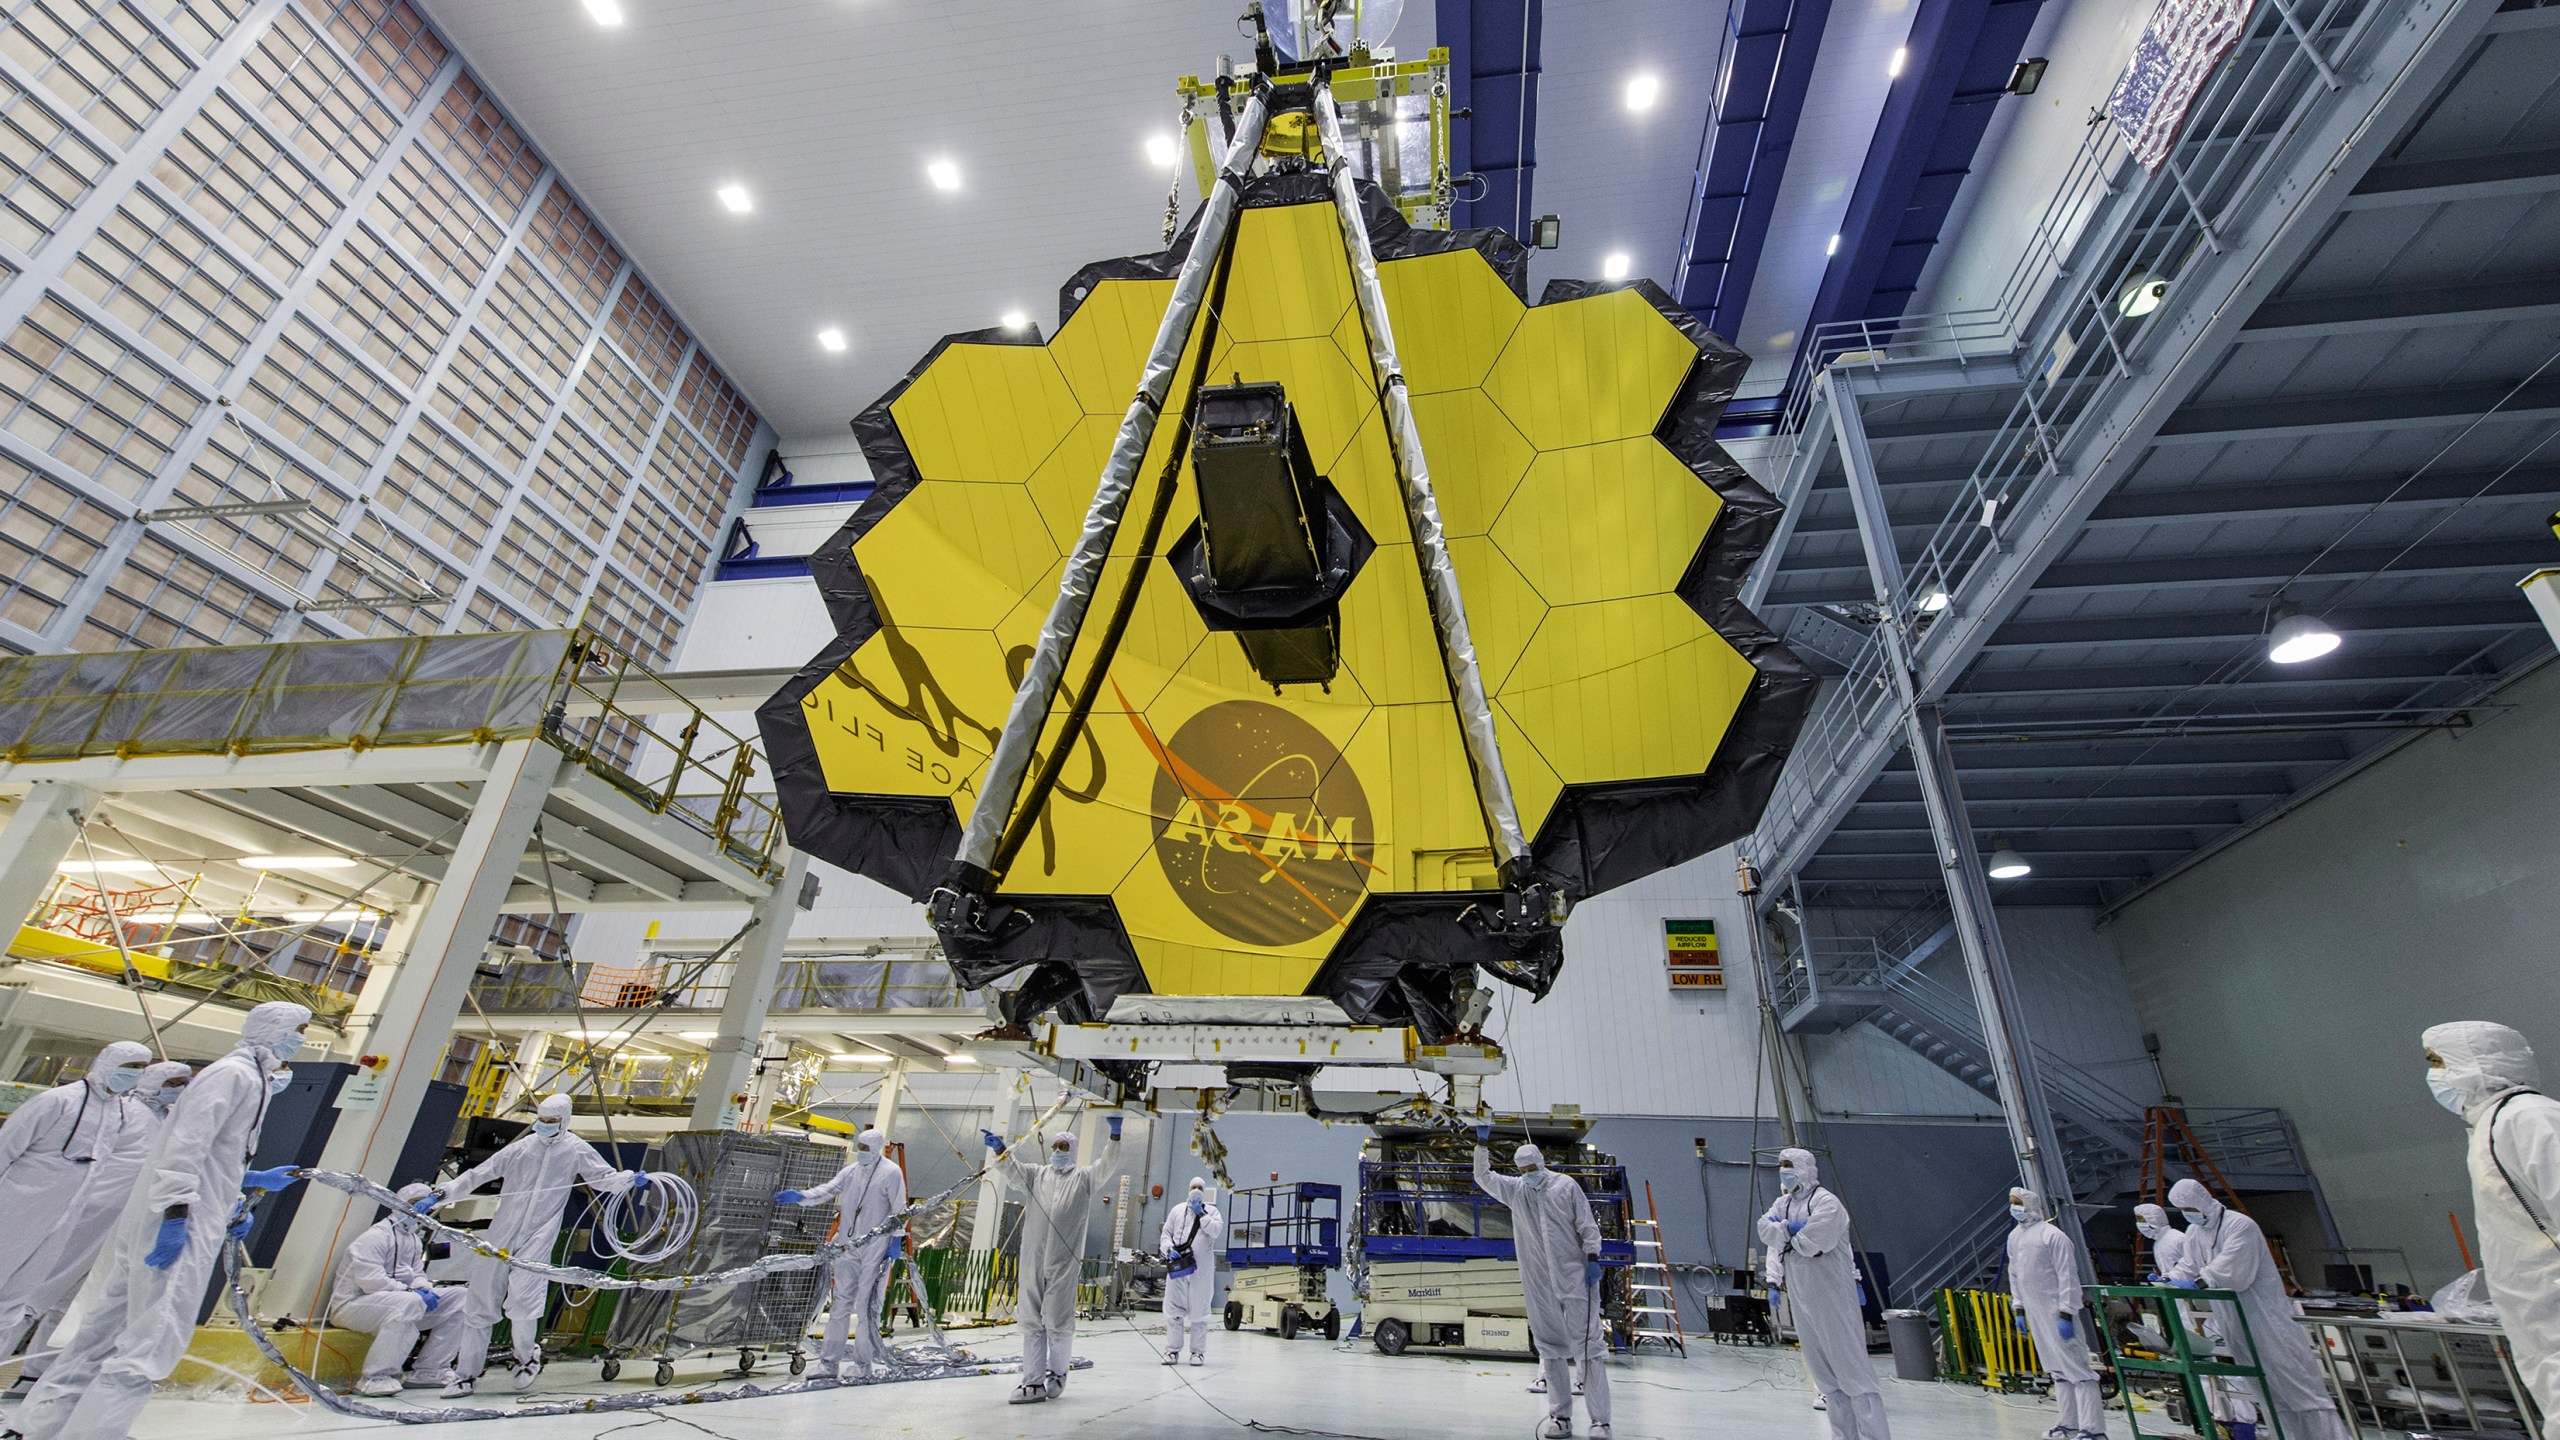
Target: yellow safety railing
{"points": [[1983, 1340]]}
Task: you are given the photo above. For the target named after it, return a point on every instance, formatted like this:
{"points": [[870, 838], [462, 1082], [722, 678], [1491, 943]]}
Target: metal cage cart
{"points": [[2425, 1376], [1281, 1239], [1440, 1267], [735, 1176]]}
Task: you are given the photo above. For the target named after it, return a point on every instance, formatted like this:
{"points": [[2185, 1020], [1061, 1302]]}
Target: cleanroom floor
{"points": [[1306, 1387]]}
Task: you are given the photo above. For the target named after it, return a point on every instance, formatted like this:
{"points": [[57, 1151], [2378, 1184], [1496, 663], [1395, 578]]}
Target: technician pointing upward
{"points": [[1557, 1238], [1806, 1235]]}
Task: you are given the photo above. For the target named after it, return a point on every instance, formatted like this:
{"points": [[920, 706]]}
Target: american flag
{"points": [[2179, 50]]}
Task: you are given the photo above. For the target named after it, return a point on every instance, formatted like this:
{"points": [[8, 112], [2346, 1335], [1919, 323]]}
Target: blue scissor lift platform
{"points": [[1281, 1239]]}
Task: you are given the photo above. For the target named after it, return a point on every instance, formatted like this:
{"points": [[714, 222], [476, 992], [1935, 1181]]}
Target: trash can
{"points": [[1915, 1354]]}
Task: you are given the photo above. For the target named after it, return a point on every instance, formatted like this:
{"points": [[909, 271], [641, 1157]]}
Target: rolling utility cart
{"points": [[2187, 1362], [1441, 1267], [1281, 1239], [735, 1177]]}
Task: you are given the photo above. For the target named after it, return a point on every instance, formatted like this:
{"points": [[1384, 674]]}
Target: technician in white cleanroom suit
{"points": [[2486, 1074], [2168, 1243], [1057, 1206], [74, 1245], [52, 1149], [383, 1291], [141, 1305], [867, 1192], [2226, 1250], [537, 1169], [2169, 1266], [1806, 1235], [1557, 1239], [2044, 1289], [1190, 1242]]}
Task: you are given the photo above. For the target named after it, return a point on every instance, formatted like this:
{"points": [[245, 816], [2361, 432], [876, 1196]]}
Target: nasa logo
{"points": [[1260, 824]]}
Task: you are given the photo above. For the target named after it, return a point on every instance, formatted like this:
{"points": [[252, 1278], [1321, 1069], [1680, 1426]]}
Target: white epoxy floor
{"points": [[1307, 1386]]}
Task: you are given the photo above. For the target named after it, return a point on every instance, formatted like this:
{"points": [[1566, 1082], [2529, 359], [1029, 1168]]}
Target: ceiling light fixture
{"points": [[959, 1059], [1015, 320], [697, 1034], [1934, 600], [1615, 267], [106, 867], [2141, 295], [297, 862], [2005, 863], [736, 199], [605, 12], [831, 340], [1160, 151], [1833, 248], [2298, 637], [1893, 67], [1642, 91], [943, 174]]}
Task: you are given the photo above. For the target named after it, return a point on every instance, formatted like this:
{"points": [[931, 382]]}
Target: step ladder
{"points": [[1653, 1308]]}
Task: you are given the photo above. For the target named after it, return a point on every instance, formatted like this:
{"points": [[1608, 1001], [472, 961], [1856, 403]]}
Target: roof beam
{"points": [[1770, 45], [2505, 402], [2362, 312], [2149, 630], [2284, 500], [2294, 566], [2443, 181]]}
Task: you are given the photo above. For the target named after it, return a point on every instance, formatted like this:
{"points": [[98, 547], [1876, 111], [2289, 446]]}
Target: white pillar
{"points": [[388, 957], [416, 1023], [990, 1213], [884, 1111], [756, 969], [530, 1069], [33, 845]]}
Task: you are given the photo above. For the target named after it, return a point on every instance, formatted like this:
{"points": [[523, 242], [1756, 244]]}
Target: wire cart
{"points": [[2187, 1358], [1281, 1239], [735, 1177], [1439, 1264]]}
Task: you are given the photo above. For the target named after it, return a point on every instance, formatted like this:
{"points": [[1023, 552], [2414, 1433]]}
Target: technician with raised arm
{"points": [[2486, 1074], [141, 1306], [1189, 1244], [1806, 1235], [867, 1192], [537, 1169], [1557, 1238], [1057, 1209], [2225, 1250], [2044, 1289]]}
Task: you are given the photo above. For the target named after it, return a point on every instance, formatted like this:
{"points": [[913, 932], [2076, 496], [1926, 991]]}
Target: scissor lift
{"points": [[1281, 1241]]}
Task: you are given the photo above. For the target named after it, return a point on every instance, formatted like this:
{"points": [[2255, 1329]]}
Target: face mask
{"points": [[1062, 1159], [278, 1081], [1789, 1178], [2149, 1232], [2194, 1217], [866, 1158], [120, 1081], [2447, 1093], [161, 1102], [546, 1128], [2018, 1212]]}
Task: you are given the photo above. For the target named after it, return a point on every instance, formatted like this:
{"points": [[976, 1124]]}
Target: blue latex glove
{"points": [[165, 1247], [276, 1179], [2186, 1284], [788, 1197], [897, 1246], [1113, 1121], [1590, 1274], [2066, 1331], [2155, 1280], [1795, 1227], [1197, 1207], [1484, 1134], [427, 1206], [430, 1296], [994, 1141], [241, 1220], [2020, 1316], [639, 1179]]}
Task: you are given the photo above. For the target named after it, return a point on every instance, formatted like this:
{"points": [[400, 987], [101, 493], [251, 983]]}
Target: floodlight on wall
{"points": [[1015, 320], [1615, 266], [2298, 637], [2141, 295], [1933, 600], [1547, 232], [2005, 863], [832, 341], [1160, 151], [2029, 74], [605, 12], [1901, 57]]}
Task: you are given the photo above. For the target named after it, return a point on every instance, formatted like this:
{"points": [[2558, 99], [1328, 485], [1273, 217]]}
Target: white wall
{"points": [[2298, 966]]}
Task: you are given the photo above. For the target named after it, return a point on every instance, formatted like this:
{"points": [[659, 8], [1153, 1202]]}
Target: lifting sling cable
{"points": [[1422, 512], [1011, 759]]}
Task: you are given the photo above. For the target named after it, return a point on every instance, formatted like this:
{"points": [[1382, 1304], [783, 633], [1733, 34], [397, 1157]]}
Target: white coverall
{"points": [[2515, 1190], [867, 1192], [138, 1317], [2226, 1250], [1189, 1299], [538, 1172], [1057, 1206], [2044, 1286], [1820, 1276], [1556, 1237], [60, 1157], [2169, 1262], [377, 1292], [77, 1244]]}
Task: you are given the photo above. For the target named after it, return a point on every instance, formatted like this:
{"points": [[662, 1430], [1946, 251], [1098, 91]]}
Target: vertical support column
{"points": [[388, 959], [418, 1015], [884, 1113], [34, 844], [1986, 959], [752, 976], [990, 1212], [530, 1070]]}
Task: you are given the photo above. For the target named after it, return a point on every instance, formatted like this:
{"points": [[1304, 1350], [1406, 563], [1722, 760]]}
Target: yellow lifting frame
{"points": [[1352, 85]]}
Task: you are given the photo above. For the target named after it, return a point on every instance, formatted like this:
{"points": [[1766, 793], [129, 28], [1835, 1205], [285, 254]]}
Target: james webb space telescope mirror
{"points": [[1310, 618]]}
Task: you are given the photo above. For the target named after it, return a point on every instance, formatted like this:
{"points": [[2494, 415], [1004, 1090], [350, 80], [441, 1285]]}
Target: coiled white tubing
{"points": [[657, 1227]]}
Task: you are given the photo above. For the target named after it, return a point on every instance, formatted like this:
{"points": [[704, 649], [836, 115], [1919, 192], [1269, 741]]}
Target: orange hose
{"points": [[2459, 1243]]}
